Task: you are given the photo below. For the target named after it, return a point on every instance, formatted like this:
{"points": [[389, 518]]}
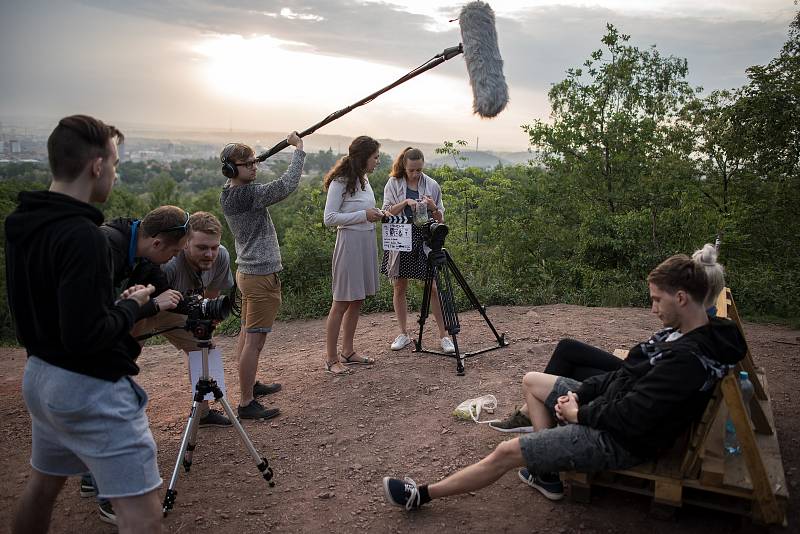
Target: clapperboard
{"points": [[397, 233]]}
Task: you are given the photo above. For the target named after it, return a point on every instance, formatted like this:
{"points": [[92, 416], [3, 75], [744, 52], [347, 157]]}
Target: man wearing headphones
{"points": [[244, 204]]}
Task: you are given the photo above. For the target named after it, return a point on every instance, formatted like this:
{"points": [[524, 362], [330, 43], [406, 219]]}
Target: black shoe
{"points": [[254, 410], [214, 418], [259, 389], [401, 492], [107, 514], [549, 485], [87, 488]]}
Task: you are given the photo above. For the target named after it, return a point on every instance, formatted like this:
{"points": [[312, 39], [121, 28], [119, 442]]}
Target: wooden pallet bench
{"points": [[696, 471]]}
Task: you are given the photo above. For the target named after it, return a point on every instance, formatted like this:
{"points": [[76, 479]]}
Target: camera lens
{"points": [[217, 309]]}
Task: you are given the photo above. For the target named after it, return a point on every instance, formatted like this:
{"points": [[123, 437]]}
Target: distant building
{"points": [[14, 147]]}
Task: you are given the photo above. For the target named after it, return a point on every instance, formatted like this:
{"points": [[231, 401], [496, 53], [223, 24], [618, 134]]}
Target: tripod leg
{"points": [[261, 462], [473, 299], [425, 308], [169, 498], [449, 313]]}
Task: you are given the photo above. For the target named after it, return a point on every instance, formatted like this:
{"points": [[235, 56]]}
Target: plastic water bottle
{"points": [[732, 446]]}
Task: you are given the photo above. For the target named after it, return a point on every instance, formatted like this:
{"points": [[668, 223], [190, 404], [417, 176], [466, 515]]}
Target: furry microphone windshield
{"points": [[482, 56]]}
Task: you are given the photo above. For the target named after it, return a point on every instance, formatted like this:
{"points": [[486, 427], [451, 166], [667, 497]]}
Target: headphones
{"points": [[229, 169]]}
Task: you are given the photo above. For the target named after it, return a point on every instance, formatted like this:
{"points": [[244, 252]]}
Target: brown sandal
{"points": [[355, 360], [328, 369]]}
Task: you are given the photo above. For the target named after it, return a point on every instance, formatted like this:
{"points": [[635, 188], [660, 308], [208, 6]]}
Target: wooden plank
{"points": [[747, 363], [767, 504], [668, 492], [712, 470]]}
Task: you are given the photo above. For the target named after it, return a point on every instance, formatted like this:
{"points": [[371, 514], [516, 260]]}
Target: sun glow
{"points": [[265, 72]]}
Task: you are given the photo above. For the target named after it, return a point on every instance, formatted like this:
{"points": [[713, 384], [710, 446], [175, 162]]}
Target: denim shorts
{"points": [[572, 447], [81, 424]]}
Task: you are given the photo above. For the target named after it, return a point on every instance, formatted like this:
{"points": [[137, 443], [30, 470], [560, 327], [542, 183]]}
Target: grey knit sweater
{"points": [[245, 209]]}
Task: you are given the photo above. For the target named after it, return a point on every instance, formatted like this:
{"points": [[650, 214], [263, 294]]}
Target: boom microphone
{"points": [[484, 65], [482, 56]]}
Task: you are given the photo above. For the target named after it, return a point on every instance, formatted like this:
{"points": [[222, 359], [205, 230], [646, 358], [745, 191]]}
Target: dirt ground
{"points": [[338, 436]]}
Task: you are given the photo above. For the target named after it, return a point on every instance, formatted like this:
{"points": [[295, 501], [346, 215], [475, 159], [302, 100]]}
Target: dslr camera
{"points": [[202, 314]]}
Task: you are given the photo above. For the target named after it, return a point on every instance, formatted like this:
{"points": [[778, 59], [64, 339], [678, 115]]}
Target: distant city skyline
{"points": [[279, 66]]}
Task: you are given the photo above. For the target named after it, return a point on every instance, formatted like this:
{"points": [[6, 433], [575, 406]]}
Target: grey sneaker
{"points": [[214, 418], [517, 422], [254, 410], [548, 484]]}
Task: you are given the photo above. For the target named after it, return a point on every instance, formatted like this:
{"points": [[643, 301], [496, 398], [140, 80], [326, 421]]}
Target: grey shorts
{"points": [[82, 424], [572, 447]]}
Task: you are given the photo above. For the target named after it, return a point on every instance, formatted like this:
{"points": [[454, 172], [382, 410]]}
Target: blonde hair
{"points": [[706, 257]]}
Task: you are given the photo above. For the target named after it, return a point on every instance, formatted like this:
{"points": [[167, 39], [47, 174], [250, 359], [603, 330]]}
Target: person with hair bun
{"points": [[408, 187], [707, 257], [350, 207]]}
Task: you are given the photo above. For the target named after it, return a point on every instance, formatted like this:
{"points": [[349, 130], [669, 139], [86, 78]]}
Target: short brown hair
{"points": [[76, 141], [236, 152], [167, 221], [680, 272], [203, 221]]}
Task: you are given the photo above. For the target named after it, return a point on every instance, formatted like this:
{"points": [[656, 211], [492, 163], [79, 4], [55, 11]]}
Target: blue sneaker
{"points": [[550, 485], [401, 492]]}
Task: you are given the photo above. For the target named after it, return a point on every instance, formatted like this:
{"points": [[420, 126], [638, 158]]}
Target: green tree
{"points": [[614, 120]]}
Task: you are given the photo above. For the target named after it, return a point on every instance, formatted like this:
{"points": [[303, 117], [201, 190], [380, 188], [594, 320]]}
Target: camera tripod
{"points": [[439, 268], [206, 384]]}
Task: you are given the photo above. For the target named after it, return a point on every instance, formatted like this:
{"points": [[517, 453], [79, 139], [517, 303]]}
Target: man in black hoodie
{"points": [[86, 411], [618, 419]]}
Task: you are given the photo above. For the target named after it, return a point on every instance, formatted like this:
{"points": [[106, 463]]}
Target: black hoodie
{"points": [[661, 388], [60, 291]]}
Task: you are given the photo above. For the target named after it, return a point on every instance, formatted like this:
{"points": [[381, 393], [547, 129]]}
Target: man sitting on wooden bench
{"points": [[618, 419]]}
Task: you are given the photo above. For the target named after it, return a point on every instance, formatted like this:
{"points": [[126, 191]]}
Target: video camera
{"points": [[433, 233], [202, 314]]}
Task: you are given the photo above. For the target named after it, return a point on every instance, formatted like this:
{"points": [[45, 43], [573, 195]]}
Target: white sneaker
{"points": [[447, 346], [400, 342]]}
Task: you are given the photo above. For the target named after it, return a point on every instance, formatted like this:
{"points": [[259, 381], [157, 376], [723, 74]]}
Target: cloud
{"points": [[137, 58], [538, 43]]}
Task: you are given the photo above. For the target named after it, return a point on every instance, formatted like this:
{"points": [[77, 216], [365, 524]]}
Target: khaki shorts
{"points": [[180, 338], [261, 298]]}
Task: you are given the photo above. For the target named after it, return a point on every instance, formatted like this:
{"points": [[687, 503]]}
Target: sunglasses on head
{"points": [[183, 228]]}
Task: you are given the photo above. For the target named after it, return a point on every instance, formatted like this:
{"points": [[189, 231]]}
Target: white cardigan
{"points": [[395, 192]]}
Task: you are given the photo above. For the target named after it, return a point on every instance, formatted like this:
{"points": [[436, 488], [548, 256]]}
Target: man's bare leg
{"points": [[506, 456], [36, 504], [248, 365], [535, 388], [141, 513]]}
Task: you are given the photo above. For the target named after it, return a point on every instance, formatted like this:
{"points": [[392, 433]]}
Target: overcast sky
{"points": [[265, 65]]}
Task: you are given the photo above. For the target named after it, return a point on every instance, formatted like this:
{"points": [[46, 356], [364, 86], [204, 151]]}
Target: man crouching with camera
{"points": [[86, 411], [201, 268]]}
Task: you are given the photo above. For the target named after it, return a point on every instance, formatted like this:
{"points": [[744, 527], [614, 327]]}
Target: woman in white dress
{"points": [[350, 207]]}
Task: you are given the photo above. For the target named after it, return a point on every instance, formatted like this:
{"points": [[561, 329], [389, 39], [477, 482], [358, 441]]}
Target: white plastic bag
{"points": [[471, 408]]}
